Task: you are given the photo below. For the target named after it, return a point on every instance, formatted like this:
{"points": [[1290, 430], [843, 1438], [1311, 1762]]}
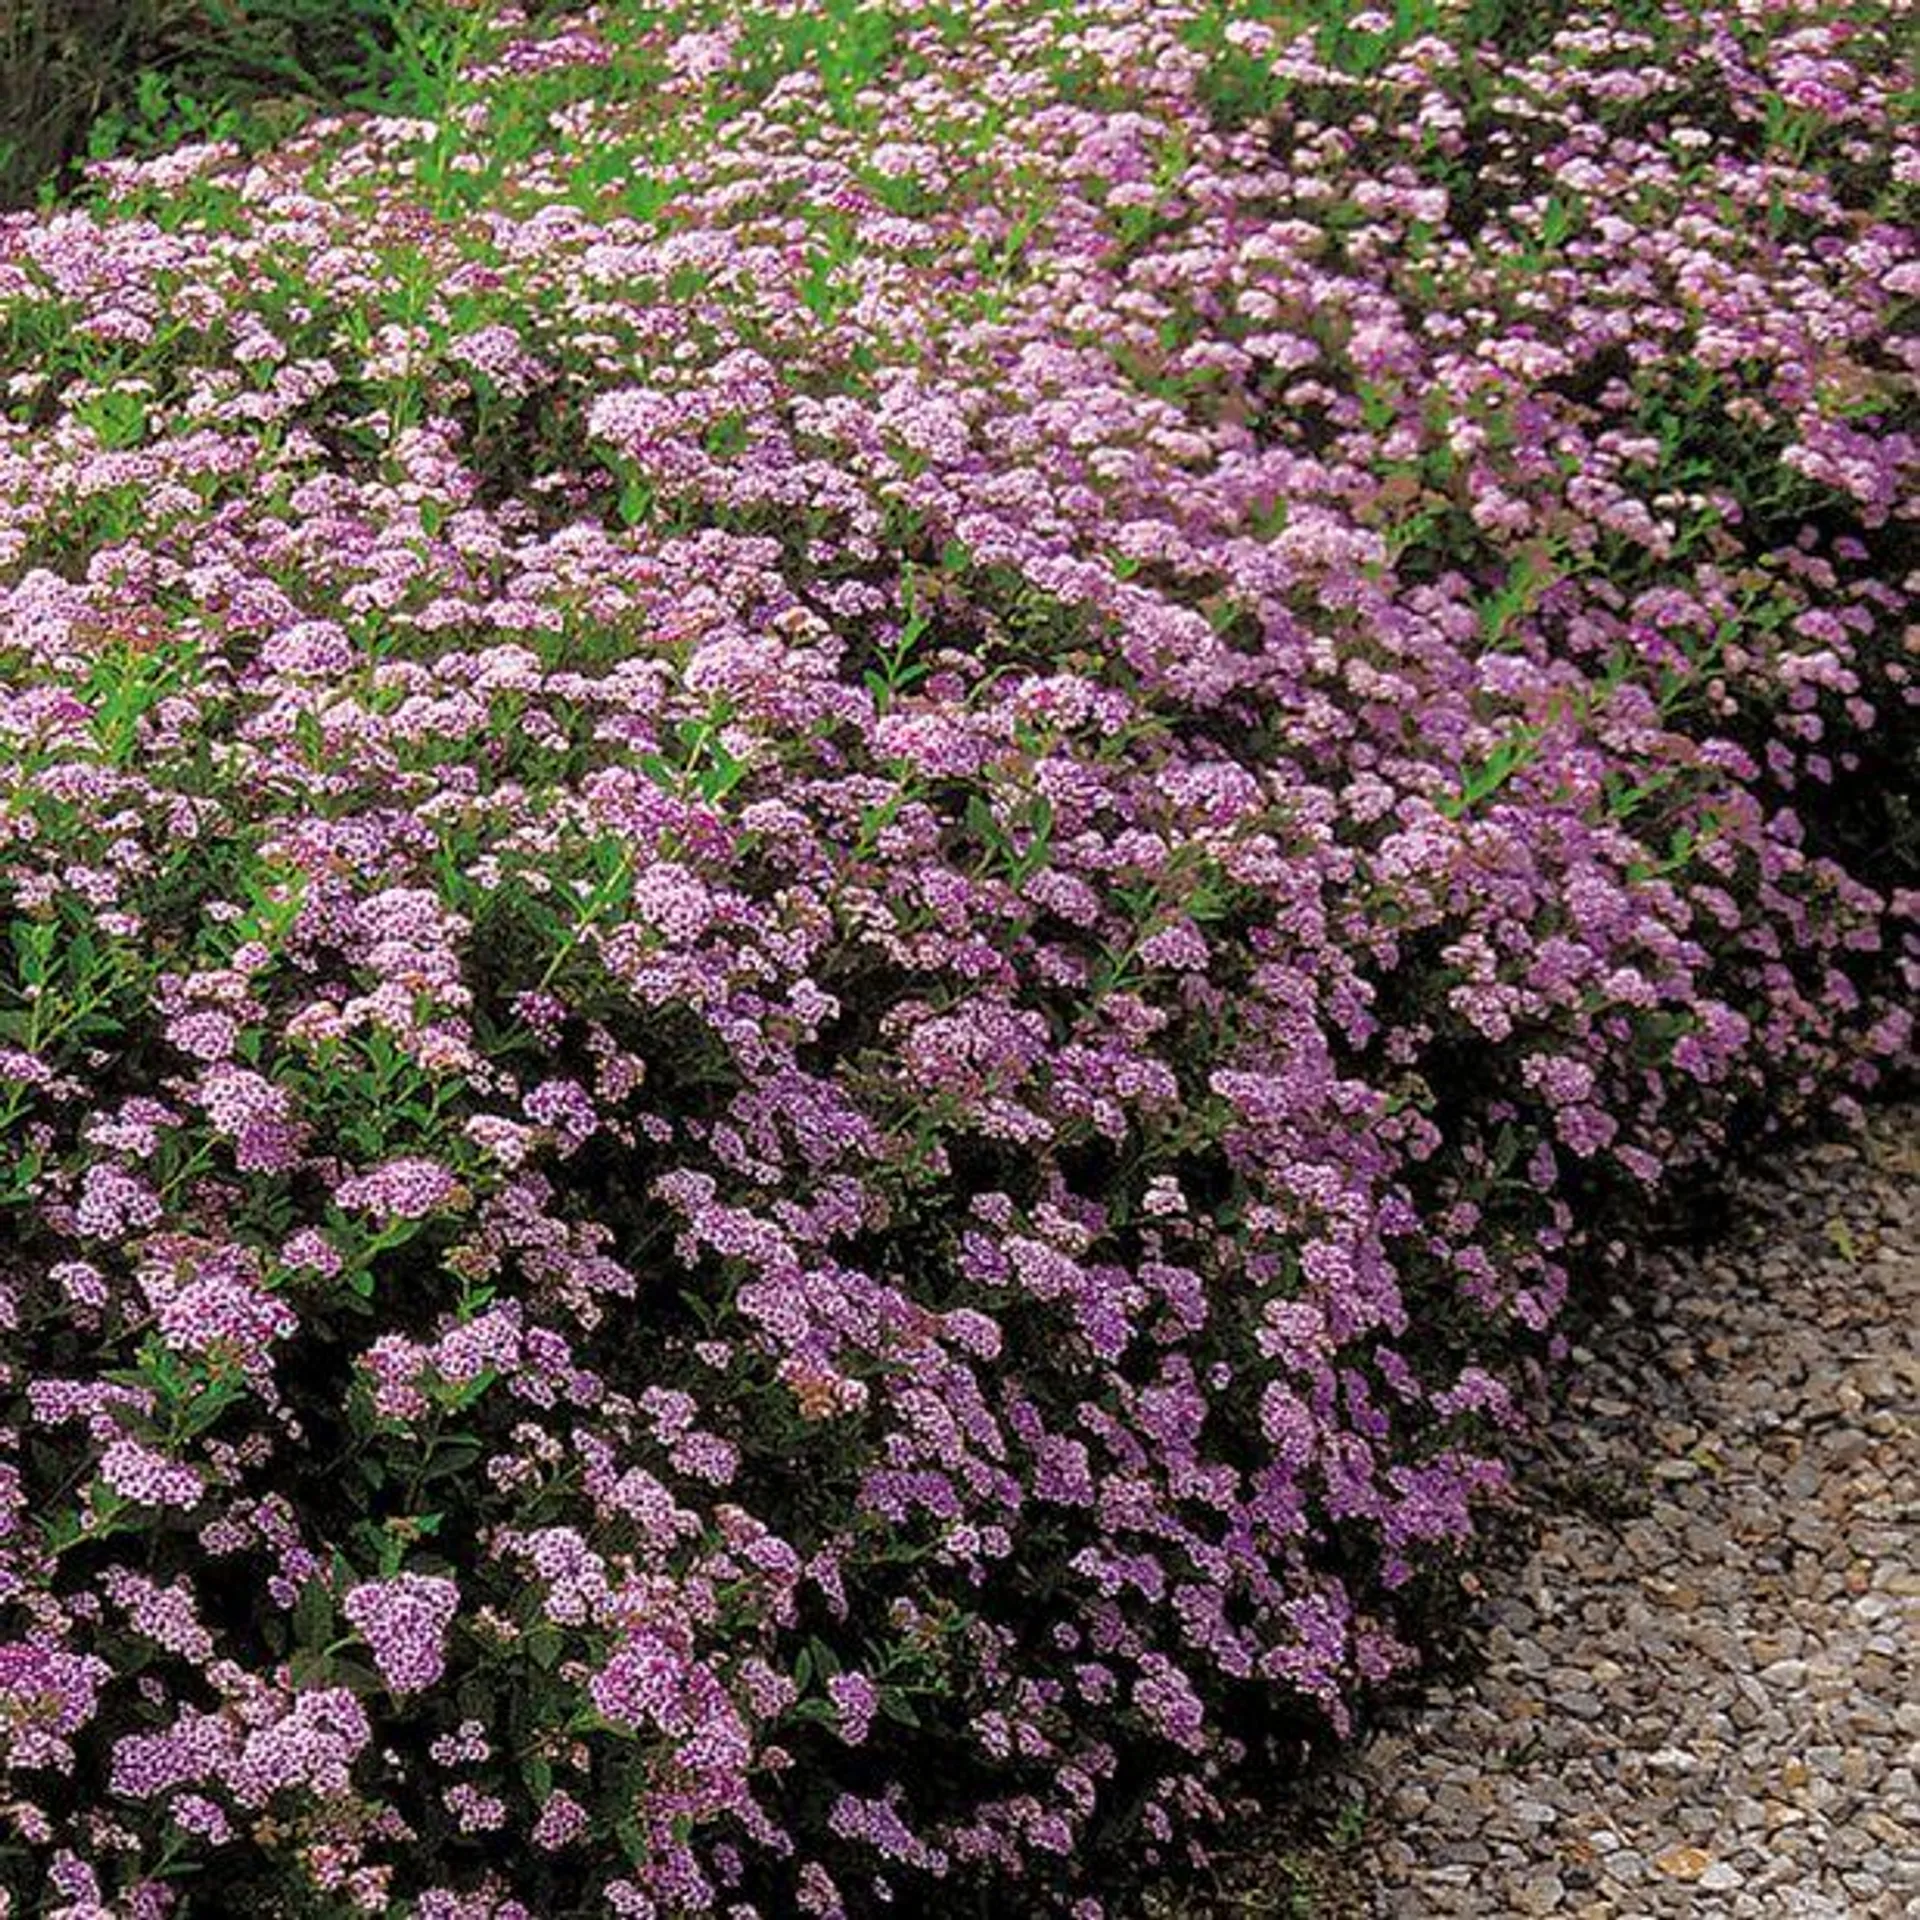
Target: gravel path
{"points": [[1699, 1697]]}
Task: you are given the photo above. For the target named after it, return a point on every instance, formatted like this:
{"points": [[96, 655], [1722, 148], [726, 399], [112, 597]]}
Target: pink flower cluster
{"points": [[847, 853]]}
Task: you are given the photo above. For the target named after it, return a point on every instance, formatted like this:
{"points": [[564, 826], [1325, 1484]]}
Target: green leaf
{"points": [[313, 1615], [636, 502], [454, 1458], [356, 1676]]}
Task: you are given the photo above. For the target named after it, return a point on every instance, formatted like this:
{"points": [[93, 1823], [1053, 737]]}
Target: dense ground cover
{"points": [[844, 846]]}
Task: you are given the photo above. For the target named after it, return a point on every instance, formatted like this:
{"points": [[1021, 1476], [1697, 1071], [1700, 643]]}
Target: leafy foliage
{"points": [[84, 79]]}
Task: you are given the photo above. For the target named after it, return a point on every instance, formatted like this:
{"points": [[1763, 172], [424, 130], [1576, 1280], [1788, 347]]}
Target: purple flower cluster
{"points": [[847, 852], [404, 1622]]}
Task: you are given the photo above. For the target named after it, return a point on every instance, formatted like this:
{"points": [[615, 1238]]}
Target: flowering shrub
{"points": [[843, 845]]}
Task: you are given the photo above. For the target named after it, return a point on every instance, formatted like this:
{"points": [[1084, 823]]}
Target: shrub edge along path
{"points": [[1700, 1696]]}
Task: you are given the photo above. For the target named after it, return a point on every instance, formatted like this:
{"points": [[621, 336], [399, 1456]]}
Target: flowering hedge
{"points": [[842, 847]]}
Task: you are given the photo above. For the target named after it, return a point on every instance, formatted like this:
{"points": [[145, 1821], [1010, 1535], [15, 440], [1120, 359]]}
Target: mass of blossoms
{"points": [[846, 850]]}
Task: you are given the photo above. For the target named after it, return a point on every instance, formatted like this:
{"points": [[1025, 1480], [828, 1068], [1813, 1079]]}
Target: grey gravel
{"points": [[1699, 1695]]}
